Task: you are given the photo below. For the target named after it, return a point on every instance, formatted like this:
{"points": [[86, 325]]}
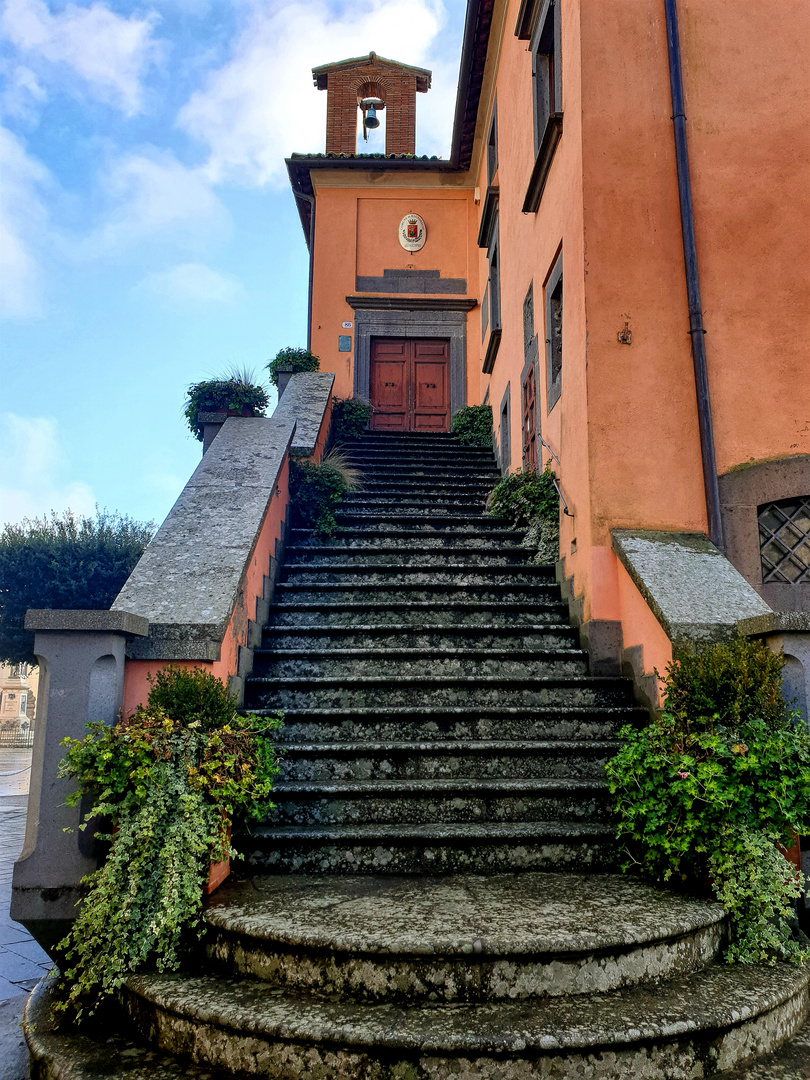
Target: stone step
{"points": [[465, 574], [397, 663], [468, 692], [440, 594], [425, 537], [417, 636], [450, 848], [550, 759], [427, 471], [421, 613], [704, 1021], [424, 802], [358, 523], [500, 937], [392, 723], [461, 484], [414, 499], [331, 555]]}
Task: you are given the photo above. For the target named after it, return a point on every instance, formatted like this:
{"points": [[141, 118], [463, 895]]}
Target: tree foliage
{"points": [[63, 561]]}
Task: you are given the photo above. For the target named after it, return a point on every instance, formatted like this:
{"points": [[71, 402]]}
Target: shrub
{"points": [[525, 496], [169, 779], [720, 775], [235, 393], [350, 417], [473, 425], [317, 490], [298, 359], [63, 561]]}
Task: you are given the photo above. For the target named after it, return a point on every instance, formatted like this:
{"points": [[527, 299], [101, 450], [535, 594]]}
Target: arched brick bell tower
{"points": [[348, 82]]}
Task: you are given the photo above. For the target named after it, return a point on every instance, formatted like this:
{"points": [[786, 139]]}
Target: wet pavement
{"points": [[22, 961]]}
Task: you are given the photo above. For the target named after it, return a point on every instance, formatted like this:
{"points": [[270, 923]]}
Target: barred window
{"points": [[784, 540]]}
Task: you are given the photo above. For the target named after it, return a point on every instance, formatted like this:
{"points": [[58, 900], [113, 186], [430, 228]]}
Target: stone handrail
{"points": [[198, 596]]}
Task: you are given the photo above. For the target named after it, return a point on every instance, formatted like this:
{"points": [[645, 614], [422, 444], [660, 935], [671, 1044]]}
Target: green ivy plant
{"points": [[530, 499], [472, 425], [234, 393], [710, 788], [317, 490], [168, 780], [297, 359], [350, 417]]}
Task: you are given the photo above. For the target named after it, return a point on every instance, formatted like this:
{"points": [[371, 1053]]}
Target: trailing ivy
{"points": [[472, 425], [531, 501], [168, 780], [350, 417], [713, 784], [297, 359]]}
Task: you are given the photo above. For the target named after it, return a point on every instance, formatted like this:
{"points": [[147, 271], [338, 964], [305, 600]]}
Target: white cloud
{"points": [[35, 477], [110, 53], [192, 283], [22, 222], [23, 93], [262, 105]]}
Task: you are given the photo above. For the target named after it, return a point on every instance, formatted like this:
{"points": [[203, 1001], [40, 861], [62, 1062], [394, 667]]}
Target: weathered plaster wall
{"points": [[356, 235]]}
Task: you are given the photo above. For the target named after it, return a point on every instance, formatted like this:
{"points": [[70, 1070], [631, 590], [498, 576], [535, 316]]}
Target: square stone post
{"points": [[81, 655]]}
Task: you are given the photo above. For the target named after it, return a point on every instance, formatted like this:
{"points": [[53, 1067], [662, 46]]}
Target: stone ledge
{"points": [[115, 622], [692, 589], [304, 402]]}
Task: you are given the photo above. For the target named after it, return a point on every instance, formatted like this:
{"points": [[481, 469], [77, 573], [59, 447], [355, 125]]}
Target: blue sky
{"points": [[148, 237]]}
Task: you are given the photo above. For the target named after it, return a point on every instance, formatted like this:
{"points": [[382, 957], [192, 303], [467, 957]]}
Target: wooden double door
{"points": [[410, 384]]}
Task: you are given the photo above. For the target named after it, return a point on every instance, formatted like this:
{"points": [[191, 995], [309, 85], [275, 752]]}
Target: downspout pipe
{"points": [[311, 245], [696, 331]]}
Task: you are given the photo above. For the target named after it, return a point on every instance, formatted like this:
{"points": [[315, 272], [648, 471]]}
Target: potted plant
{"points": [[235, 395], [168, 779], [287, 362]]}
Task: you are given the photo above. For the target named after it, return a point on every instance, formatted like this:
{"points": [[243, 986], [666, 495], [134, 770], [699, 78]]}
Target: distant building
{"points": [[18, 697]]}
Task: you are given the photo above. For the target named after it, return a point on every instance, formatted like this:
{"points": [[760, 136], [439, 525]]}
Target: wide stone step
{"points": [[394, 484], [391, 724], [423, 802], [466, 573], [415, 500], [393, 557], [425, 537], [559, 759], [451, 848], [438, 521], [465, 692], [370, 458], [705, 1021], [430, 472], [506, 936], [440, 594], [423, 613], [397, 663], [409, 636]]}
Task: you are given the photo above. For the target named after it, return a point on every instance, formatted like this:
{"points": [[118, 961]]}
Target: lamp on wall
{"points": [[369, 107]]}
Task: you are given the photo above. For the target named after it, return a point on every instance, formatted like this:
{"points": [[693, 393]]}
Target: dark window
{"points": [[492, 145], [492, 298], [784, 540], [505, 453], [554, 333], [539, 23], [529, 421]]}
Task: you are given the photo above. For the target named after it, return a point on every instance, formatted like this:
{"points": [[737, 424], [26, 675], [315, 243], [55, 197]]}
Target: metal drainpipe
{"points": [[311, 200], [696, 330]]}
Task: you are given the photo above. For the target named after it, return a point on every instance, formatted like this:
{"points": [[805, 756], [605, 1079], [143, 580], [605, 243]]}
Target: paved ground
{"points": [[22, 961]]}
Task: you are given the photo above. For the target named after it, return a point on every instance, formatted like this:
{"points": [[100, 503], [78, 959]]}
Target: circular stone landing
{"points": [[459, 938]]}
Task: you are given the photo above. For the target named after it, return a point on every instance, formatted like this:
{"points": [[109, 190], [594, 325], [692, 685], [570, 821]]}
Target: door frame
{"points": [[450, 325]]}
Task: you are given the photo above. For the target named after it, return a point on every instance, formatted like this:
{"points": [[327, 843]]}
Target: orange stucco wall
{"points": [[356, 234], [136, 672]]}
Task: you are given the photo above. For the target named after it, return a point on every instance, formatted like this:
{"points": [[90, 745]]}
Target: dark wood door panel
{"points": [[410, 384]]}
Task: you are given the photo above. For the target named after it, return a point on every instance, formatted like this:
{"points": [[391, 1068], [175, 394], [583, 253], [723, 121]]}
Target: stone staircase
{"points": [[432, 896]]}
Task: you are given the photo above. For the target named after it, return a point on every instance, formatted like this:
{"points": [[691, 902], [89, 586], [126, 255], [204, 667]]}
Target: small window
{"points": [[492, 300], [554, 333], [540, 24], [529, 421], [492, 145], [784, 540], [504, 447]]}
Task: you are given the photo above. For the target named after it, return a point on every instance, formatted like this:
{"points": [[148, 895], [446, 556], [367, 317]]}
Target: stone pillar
{"points": [[81, 655]]}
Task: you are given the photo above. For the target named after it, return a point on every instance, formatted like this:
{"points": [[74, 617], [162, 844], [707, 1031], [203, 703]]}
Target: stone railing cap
{"points": [[118, 622]]}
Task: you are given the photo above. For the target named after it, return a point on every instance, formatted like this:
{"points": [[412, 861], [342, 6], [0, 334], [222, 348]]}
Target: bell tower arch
{"points": [[351, 83]]}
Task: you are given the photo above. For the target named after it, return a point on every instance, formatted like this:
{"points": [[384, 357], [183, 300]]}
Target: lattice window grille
{"points": [[784, 540]]}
